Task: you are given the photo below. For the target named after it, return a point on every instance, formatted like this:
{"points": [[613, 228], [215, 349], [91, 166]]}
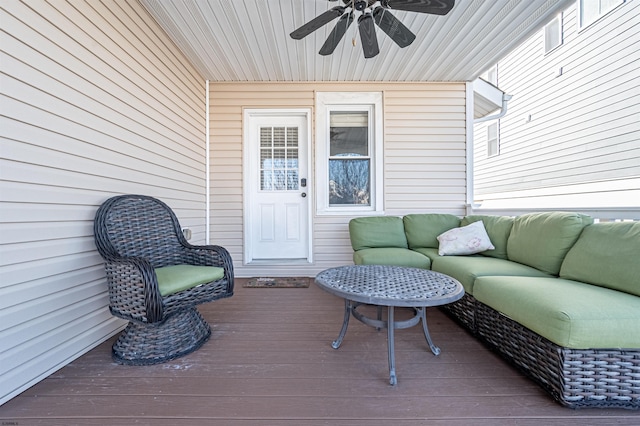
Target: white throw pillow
{"points": [[468, 239]]}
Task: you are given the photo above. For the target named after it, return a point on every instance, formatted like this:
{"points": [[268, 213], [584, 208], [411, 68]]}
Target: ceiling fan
{"points": [[373, 12]]}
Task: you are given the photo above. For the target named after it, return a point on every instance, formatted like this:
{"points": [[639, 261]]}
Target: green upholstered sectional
{"points": [[558, 296]]}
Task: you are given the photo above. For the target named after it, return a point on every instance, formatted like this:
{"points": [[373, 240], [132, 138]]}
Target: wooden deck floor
{"points": [[269, 362]]}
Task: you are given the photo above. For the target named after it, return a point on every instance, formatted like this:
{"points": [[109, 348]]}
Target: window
{"points": [[491, 76], [493, 141], [591, 10], [553, 34], [349, 158], [349, 152]]}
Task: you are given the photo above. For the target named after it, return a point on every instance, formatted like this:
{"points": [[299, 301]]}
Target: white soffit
{"points": [[487, 98], [248, 40]]}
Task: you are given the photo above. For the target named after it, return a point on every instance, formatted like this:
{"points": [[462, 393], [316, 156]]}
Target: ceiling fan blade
{"points": [[367, 30], [435, 7], [388, 23], [336, 34], [317, 22]]}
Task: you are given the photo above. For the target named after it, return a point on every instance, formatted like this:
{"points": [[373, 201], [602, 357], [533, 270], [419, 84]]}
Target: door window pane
{"points": [[279, 159]]}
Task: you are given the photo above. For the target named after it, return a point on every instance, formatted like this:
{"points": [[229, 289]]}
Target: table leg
{"points": [[345, 323], [393, 380], [425, 329]]}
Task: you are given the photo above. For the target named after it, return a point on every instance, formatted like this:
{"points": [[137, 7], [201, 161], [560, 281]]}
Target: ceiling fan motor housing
{"points": [[361, 5]]}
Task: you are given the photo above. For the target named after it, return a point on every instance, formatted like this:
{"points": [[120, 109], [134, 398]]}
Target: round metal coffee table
{"points": [[391, 286]]}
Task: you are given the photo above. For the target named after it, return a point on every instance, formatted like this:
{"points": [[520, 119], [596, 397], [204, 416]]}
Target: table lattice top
{"points": [[390, 285]]}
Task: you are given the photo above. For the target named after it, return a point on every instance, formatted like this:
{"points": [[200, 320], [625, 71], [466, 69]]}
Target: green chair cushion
{"points": [[542, 240], [467, 268], [431, 253], [422, 229], [569, 313], [377, 232], [391, 256], [177, 278], [498, 228], [608, 255]]}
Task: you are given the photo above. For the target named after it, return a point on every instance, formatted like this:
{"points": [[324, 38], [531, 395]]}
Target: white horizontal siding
{"points": [[425, 148], [96, 101], [574, 120], [424, 160]]}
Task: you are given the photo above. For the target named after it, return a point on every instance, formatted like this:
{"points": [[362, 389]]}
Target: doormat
{"points": [[278, 282]]}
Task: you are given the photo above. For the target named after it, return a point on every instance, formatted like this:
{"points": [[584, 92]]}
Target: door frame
{"points": [[250, 173]]}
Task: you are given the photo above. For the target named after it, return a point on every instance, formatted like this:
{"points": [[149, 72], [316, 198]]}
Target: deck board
{"points": [[269, 362]]}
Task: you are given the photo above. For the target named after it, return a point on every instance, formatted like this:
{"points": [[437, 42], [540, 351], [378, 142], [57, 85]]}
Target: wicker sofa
{"points": [[558, 295]]}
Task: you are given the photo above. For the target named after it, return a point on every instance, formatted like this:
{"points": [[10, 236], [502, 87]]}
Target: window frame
{"points": [[349, 101]]}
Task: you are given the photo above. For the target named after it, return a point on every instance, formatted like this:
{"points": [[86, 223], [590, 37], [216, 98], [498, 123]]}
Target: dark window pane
{"points": [[349, 133], [349, 141]]}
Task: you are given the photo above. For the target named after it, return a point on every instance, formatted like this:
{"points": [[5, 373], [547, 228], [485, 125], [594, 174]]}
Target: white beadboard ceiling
{"points": [[248, 40]]}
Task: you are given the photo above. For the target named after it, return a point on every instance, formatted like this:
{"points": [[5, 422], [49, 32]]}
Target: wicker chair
{"points": [[156, 279]]}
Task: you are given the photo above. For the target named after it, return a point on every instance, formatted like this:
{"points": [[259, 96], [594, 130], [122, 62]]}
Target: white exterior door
{"points": [[277, 186]]}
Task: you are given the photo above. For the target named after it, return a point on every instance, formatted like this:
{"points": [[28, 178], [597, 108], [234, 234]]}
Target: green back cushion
{"points": [[422, 230], [542, 240], [377, 232], [607, 255], [498, 228], [176, 278]]}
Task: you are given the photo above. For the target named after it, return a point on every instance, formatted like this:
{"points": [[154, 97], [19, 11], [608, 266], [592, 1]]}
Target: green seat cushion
{"points": [[569, 313], [177, 278], [422, 229], [391, 256], [542, 240], [498, 228], [467, 268], [608, 255], [377, 232], [431, 253]]}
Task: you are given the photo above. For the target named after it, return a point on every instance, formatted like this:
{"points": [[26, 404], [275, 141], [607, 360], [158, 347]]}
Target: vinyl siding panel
{"points": [[583, 100], [96, 101], [424, 160]]}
